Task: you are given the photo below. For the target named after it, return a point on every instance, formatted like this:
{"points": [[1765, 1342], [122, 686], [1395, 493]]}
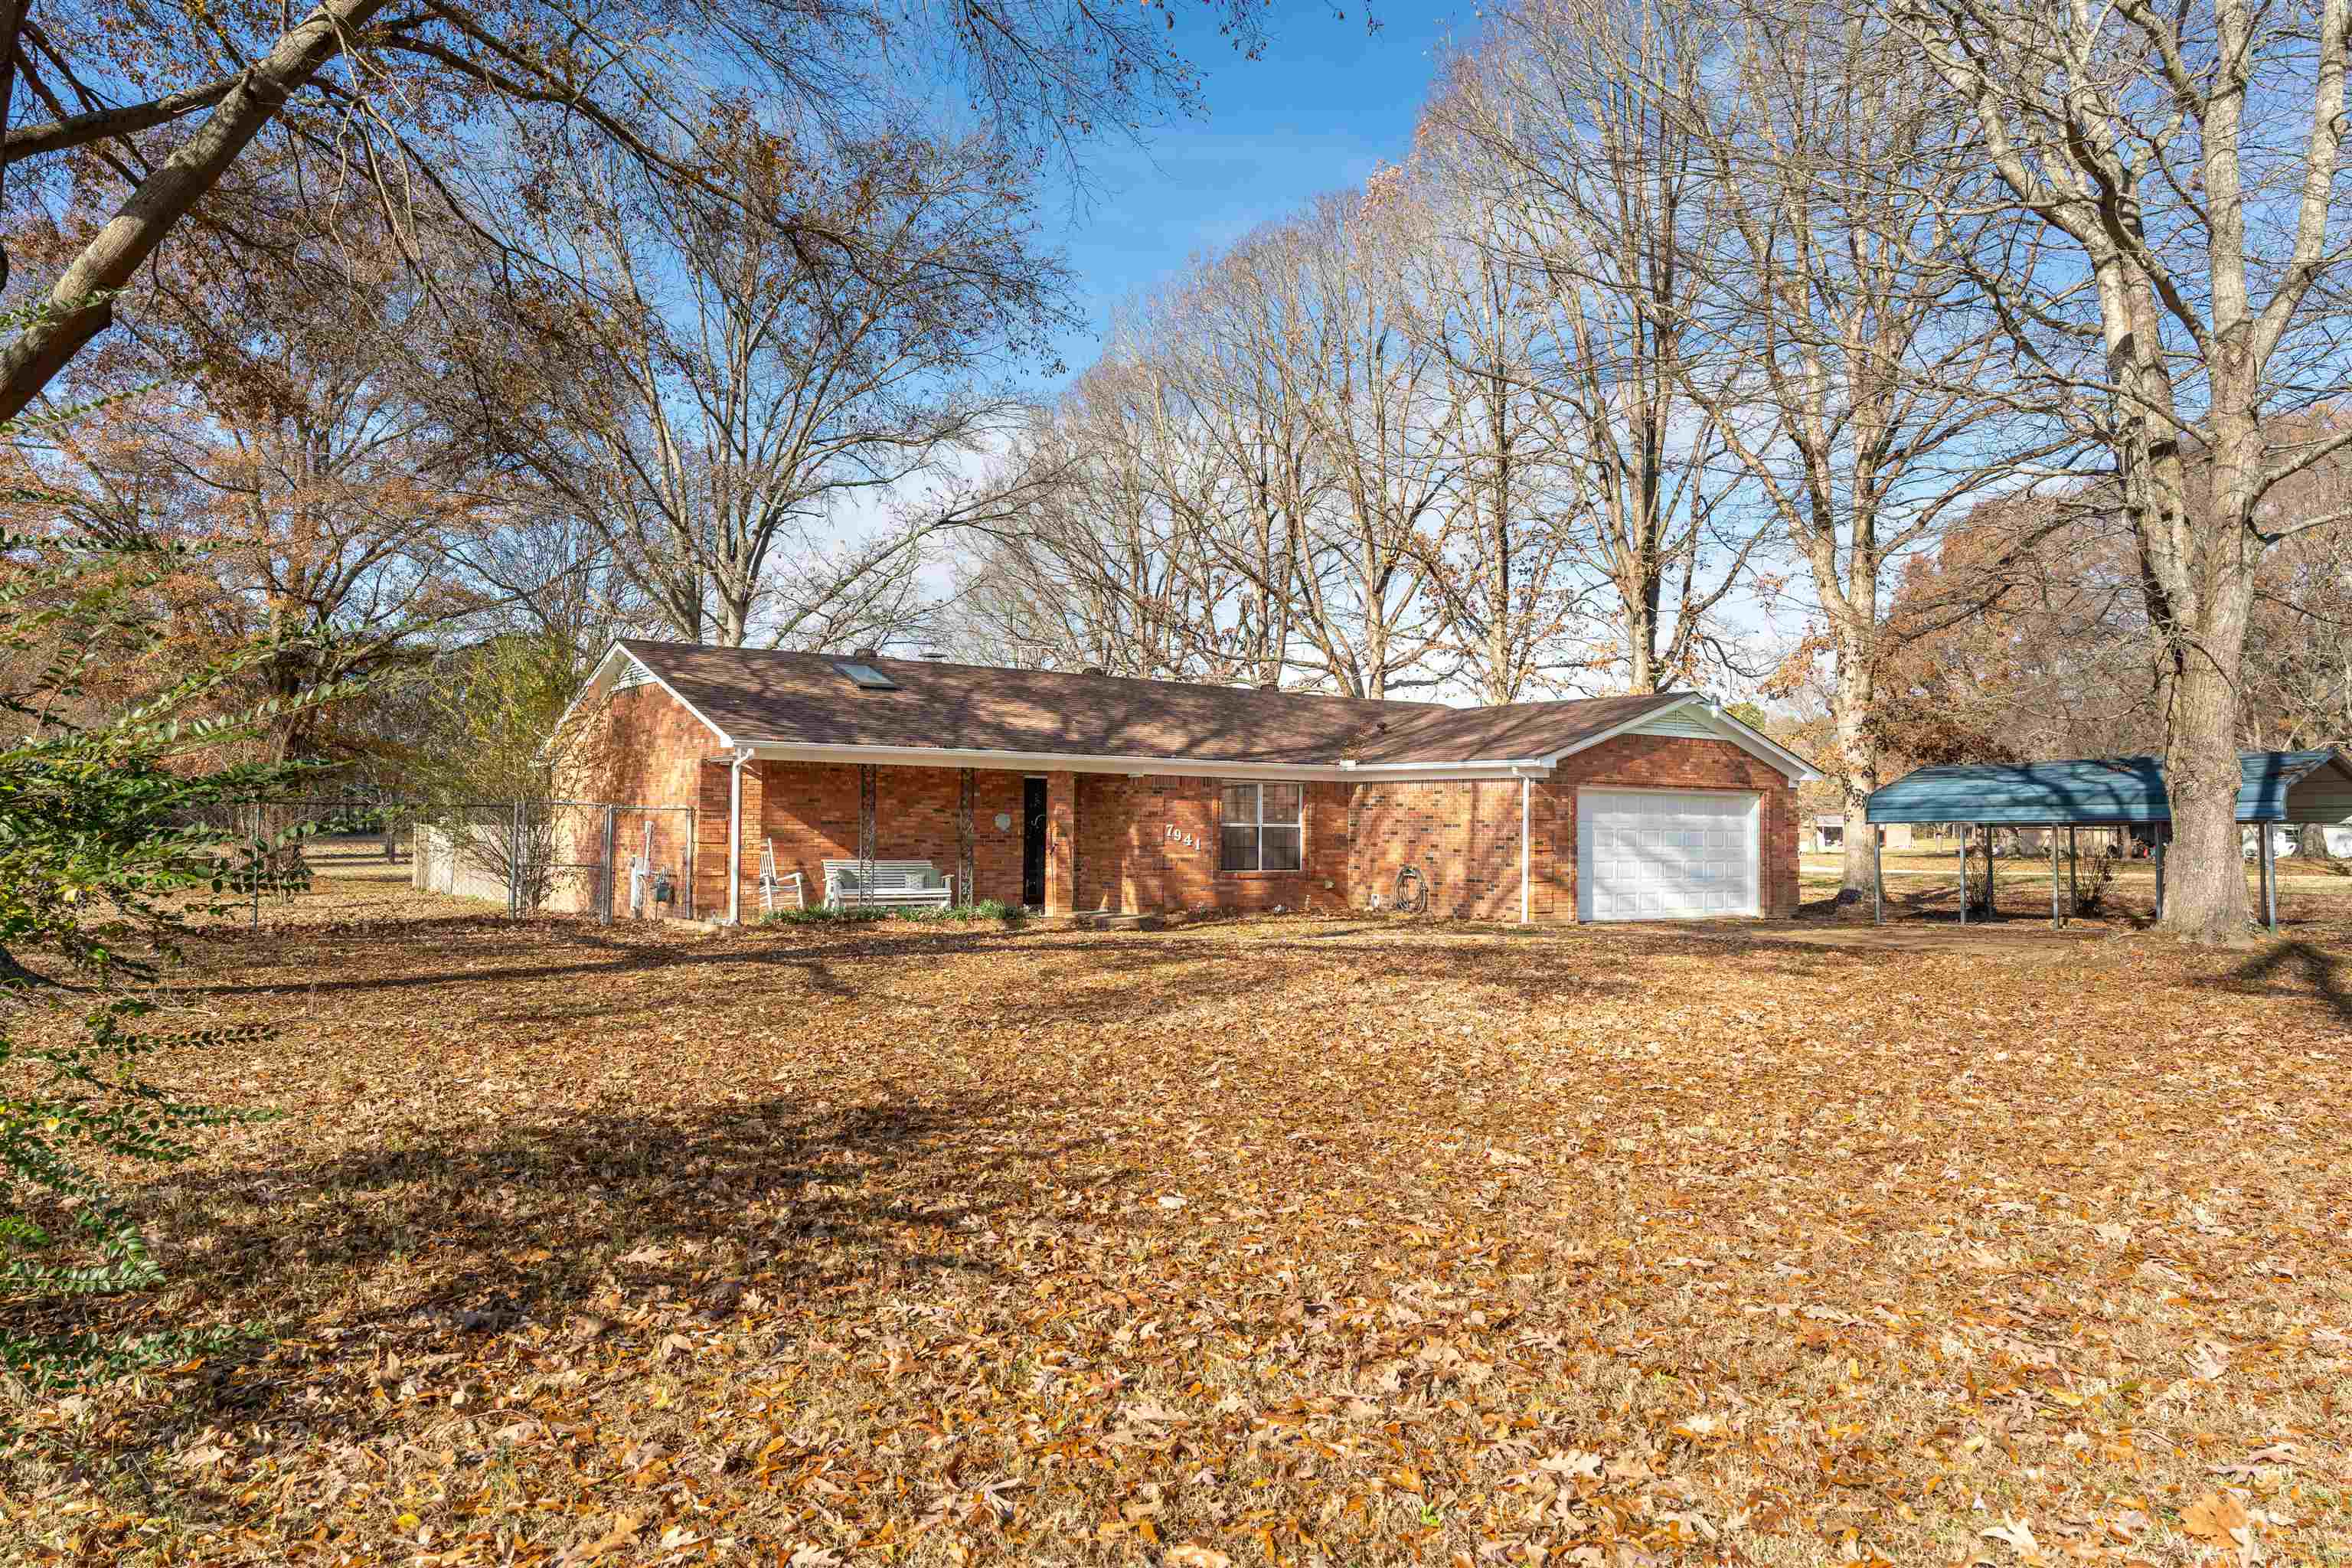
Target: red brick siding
{"points": [[1151, 844], [647, 750], [995, 851], [1465, 837], [710, 824]]}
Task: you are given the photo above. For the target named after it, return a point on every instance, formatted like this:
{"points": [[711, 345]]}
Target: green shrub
{"points": [[103, 862], [986, 910], [826, 915]]}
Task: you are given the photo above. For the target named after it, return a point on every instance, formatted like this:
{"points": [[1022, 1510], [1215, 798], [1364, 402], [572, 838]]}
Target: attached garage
{"points": [[1653, 854]]}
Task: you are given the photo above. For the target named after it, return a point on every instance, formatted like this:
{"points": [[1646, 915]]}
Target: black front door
{"points": [[1033, 843]]}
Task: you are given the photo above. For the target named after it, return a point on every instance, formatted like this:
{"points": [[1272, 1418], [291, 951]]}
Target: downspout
{"points": [[735, 836], [1525, 786]]}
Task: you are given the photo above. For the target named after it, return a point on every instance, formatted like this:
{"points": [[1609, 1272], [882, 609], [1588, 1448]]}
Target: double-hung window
{"points": [[1261, 829]]}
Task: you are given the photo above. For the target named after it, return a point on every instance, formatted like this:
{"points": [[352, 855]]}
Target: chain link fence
{"points": [[571, 856], [608, 859]]}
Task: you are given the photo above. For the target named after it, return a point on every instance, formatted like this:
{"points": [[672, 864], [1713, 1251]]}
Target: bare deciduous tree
{"points": [[1503, 571], [1839, 349], [723, 401], [2189, 159], [1378, 416], [1572, 120]]}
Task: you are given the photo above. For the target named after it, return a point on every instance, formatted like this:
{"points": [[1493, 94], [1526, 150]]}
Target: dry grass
{"points": [[1290, 1240]]}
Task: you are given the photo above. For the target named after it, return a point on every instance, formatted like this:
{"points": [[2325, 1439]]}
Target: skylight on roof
{"points": [[866, 677]]}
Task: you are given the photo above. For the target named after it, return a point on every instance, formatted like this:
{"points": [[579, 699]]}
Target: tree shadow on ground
{"points": [[2274, 970], [1551, 966], [448, 1244]]}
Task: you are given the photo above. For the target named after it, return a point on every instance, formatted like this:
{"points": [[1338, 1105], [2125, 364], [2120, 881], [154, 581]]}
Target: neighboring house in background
{"points": [[1825, 835], [1073, 793]]}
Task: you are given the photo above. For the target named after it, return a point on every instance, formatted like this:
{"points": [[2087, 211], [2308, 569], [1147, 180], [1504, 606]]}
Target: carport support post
{"points": [[2159, 868], [2054, 921], [1877, 873], [2270, 876], [1992, 899], [1964, 873]]}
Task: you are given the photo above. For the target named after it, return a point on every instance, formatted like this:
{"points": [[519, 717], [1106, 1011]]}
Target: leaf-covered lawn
{"points": [[1289, 1240]]}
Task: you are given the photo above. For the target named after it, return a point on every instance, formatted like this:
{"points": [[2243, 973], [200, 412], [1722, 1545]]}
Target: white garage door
{"points": [[1645, 855]]}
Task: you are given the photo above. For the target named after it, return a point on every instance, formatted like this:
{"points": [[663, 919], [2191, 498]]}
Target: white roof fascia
{"points": [[599, 680]]}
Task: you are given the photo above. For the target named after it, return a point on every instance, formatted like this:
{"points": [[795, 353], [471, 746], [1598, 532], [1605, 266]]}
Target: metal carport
{"points": [[2274, 788]]}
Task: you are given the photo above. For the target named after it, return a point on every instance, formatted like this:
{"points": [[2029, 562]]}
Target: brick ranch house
{"points": [[1072, 793]]}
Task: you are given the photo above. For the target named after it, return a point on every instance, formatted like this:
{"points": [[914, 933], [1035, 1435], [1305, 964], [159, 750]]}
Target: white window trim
{"points": [[1258, 786]]}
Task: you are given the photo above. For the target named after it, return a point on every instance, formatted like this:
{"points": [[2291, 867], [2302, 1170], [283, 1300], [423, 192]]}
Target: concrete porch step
{"points": [[1108, 920]]}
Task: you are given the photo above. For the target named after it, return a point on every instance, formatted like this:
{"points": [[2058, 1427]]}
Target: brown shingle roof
{"points": [[756, 695]]}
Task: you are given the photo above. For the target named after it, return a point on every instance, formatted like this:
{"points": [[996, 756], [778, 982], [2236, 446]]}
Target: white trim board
{"points": [[1143, 767]]}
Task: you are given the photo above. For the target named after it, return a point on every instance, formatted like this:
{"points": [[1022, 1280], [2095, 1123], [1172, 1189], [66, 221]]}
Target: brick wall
{"points": [[1465, 837], [710, 824], [1151, 844], [647, 752]]}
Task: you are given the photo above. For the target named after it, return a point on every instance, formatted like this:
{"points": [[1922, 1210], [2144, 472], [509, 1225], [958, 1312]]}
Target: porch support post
{"points": [[1061, 843], [1526, 904], [2074, 873], [2159, 868], [966, 852]]}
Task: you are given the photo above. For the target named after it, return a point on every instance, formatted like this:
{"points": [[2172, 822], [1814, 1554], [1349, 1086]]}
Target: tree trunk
{"points": [[1857, 779], [731, 618], [1642, 638], [2205, 883]]}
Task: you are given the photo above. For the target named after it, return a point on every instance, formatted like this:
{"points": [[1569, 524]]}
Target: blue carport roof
{"points": [[2084, 790]]}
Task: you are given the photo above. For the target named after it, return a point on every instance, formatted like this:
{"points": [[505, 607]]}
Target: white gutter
{"points": [[1141, 767], [735, 836], [1512, 765]]}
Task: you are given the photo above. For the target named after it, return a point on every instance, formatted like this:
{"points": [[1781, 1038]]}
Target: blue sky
{"points": [[1319, 110]]}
